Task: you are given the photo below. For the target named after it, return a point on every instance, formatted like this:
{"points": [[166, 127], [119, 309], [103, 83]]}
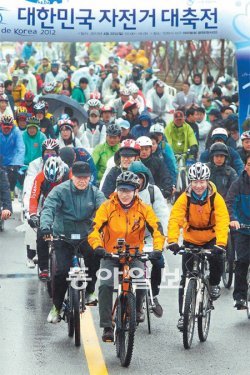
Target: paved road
{"points": [[29, 345]]}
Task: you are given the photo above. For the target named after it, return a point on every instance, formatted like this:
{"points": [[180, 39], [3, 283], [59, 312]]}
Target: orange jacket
{"points": [[199, 218], [112, 222]]}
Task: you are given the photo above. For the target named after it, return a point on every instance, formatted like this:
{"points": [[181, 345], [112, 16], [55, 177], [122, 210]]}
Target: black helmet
{"points": [[218, 148], [128, 180], [113, 130]]}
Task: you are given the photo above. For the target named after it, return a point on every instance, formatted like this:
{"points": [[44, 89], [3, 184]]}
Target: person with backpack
{"points": [[202, 214]]}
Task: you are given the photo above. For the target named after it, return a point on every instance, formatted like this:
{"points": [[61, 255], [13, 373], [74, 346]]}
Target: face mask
{"points": [[45, 157]]}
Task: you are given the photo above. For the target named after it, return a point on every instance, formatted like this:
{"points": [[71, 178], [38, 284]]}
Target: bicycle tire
{"points": [[127, 328], [228, 265], [118, 325], [75, 293], [147, 299], [52, 272], [183, 180], [70, 317], [204, 315], [248, 295], [189, 314], [1, 225]]}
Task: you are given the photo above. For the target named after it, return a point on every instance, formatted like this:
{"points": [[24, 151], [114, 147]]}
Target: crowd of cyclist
{"points": [[111, 176]]}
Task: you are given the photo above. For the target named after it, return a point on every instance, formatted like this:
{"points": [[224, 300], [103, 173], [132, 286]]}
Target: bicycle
{"points": [[182, 177], [246, 226], [197, 302], [228, 264], [51, 269], [74, 302], [124, 309]]}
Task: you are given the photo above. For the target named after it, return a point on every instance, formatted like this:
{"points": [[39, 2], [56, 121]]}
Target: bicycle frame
{"points": [[182, 170]]}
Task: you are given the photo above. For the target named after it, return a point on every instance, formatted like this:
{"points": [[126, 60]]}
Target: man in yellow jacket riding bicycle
{"points": [[202, 213], [125, 216]]}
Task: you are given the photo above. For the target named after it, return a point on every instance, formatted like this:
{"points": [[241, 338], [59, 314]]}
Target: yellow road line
{"points": [[93, 352]]}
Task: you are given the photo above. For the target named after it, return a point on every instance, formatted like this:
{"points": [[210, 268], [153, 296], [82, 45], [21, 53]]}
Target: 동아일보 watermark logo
{"points": [[45, 2]]}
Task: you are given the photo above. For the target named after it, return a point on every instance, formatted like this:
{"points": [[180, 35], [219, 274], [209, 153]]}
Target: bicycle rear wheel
{"points": [[70, 317], [183, 180], [52, 272], [127, 328], [228, 265], [147, 302], [248, 294], [75, 293], [189, 314], [204, 315]]}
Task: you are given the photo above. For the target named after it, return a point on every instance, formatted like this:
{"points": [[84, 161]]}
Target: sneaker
{"points": [[90, 299], [35, 259], [240, 304], [180, 323], [140, 316], [30, 263], [156, 308], [108, 334], [54, 315], [43, 275], [214, 292]]}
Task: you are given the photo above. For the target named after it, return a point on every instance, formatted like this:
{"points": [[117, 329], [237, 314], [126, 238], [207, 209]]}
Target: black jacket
{"points": [[160, 173], [47, 128], [5, 199], [222, 177]]}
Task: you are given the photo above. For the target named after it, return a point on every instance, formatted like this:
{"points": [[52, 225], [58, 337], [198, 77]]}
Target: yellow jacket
{"points": [[112, 222], [199, 218]]}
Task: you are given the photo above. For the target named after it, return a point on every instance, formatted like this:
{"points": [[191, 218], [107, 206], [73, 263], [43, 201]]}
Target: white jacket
{"points": [[93, 138]]}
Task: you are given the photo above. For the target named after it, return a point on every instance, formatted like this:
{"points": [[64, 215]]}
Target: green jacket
{"points": [[101, 154], [183, 135], [70, 211], [79, 95], [33, 146]]}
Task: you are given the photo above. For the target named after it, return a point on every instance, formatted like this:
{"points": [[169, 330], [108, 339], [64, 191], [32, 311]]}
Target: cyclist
{"points": [[143, 125], [124, 215], [93, 132], [45, 124], [53, 174], [220, 135], [28, 102], [103, 152], [160, 171], [11, 149], [128, 152], [5, 198], [69, 209], [151, 194], [202, 213], [245, 149], [221, 174], [66, 136], [33, 139], [180, 135], [21, 117], [238, 203]]}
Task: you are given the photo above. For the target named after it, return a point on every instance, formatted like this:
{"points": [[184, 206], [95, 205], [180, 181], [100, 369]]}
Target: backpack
{"points": [[151, 193], [209, 226]]}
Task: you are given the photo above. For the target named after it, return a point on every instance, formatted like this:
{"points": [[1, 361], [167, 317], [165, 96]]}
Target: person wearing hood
{"points": [[93, 132], [148, 80], [142, 129], [66, 137], [128, 152], [151, 195], [238, 203], [197, 87], [33, 139], [222, 175]]}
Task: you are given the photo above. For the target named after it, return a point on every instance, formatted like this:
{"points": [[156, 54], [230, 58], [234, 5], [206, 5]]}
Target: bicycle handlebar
{"points": [[245, 226], [142, 256], [200, 251]]}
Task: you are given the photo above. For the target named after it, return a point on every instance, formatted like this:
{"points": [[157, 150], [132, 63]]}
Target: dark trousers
{"points": [[215, 268], [12, 176], [64, 254], [242, 247], [42, 251], [157, 266]]}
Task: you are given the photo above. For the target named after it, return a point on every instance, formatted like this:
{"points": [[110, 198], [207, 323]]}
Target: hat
{"points": [[94, 112], [179, 115], [123, 123], [214, 112], [149, 71], [128, 152], [125, 186], [160, 83], [81, 169]]}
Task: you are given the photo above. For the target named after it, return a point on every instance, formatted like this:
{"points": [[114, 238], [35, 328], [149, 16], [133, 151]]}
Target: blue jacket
{"points": [[12, 148], [168, 155], [83, 155], [138, 130], [234, 159], [5, 199], [238, 201]]}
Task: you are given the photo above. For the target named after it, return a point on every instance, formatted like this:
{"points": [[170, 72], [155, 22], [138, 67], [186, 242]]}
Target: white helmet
{"points": [[219, 133], [144, 141], [125, 91], [94, 103], [133, 89], [157, 128], [198, 171], [53, 169]]}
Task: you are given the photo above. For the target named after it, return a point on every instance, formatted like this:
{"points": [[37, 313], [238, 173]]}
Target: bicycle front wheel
{"points": [[204, 315], [248, 295], [228, 265], [75, 293], [189, 314], [147, 301], [127, 327]]}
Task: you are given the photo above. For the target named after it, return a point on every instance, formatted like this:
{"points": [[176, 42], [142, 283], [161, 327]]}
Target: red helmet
{"points": [[29, 96], [65, 122], [95, 95], [129, 147], [129, 105], [106, 108]]}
